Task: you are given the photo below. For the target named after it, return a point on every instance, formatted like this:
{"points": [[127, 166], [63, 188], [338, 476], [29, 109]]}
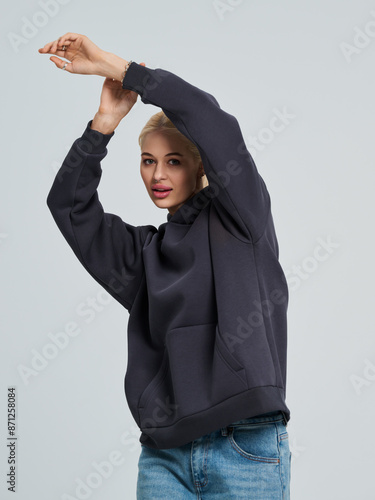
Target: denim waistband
{"points": [[273, 416]]}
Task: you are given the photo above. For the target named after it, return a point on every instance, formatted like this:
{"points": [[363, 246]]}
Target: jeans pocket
{"points": [[285, 457], [283, 441], [257, 441]]}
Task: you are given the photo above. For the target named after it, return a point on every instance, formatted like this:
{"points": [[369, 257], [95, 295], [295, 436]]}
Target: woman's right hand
{"points": [[115, 103]]}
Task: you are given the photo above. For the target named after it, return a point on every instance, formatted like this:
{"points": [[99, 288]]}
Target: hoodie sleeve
{"points": [[108, 247], [236, 187]]}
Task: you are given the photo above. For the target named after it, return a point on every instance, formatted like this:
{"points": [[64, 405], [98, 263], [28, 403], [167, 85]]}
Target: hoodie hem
{"points": [[247, 404]]}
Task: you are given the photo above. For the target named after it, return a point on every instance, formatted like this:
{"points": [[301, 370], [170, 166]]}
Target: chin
{"points": [[168, 202], [163, 203]]}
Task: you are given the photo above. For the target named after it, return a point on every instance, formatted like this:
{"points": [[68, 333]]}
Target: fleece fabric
{"points": [[206, 294]]}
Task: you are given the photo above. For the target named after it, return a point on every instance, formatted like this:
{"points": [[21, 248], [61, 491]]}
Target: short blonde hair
{"points": [[160, 122]]}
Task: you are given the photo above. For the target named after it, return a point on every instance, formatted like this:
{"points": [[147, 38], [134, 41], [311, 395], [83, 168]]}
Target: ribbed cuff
{"points": [[136, 77], [93, 141]]}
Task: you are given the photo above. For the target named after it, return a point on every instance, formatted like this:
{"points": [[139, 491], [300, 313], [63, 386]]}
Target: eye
{"points": [[150, 159]]}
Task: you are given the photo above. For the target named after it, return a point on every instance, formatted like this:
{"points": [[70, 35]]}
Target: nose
{"points": [[159, 172]]}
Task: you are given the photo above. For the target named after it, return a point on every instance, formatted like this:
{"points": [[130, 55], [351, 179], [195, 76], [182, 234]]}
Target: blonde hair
{"points": [[160, 122]]}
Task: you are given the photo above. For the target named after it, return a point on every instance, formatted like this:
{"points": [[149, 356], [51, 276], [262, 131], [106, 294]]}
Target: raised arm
{"points": [[108, 247], [235, 182]]}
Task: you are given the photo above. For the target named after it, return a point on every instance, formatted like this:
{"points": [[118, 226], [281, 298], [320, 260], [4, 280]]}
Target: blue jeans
{"points": [[248, 459]]}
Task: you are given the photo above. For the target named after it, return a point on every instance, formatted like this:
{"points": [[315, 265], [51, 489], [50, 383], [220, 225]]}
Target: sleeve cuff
{"points": [[136, 77], [93, 141]]}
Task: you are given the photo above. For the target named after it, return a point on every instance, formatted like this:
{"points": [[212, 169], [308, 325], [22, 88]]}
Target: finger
{"points": [[60, 44], [67, 39], [51, 47], [62, 52], [60, 63], [55, 50], [70, 36], [54, 46]]}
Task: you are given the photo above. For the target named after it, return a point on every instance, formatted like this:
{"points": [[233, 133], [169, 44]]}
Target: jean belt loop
{"points": [[224, 431]]}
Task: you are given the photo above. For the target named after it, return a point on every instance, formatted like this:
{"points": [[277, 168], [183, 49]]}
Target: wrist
{"points": [[111, 66], [104, 123]]}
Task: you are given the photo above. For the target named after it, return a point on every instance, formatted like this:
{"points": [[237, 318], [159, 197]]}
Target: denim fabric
{"points": [[248, 459]]}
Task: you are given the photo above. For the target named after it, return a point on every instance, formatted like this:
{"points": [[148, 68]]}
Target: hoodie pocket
{"points": [[227, 357], [203, 372], [197, 372]]}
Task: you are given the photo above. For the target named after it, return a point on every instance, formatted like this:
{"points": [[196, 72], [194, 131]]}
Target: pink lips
{"points": [[161, 194]]}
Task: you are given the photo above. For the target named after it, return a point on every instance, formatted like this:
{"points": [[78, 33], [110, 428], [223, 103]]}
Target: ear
{"points": [[200, 169]]}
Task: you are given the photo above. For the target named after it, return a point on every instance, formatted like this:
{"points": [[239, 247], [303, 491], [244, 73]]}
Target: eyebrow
{"points": [[168, 154]]}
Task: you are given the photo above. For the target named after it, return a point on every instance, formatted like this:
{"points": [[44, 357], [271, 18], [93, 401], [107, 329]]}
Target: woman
{"points": [[206, 294]]}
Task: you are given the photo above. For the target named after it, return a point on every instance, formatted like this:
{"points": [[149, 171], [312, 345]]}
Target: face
{"points": [[166, 163]]}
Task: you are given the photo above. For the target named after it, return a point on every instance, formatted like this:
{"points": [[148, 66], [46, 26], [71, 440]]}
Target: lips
{"points": [[160, 187], [161, 191]]}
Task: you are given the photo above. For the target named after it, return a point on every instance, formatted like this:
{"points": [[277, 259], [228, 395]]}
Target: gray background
{"points": [[258, 58]]}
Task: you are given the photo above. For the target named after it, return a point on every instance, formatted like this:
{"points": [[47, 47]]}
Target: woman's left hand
{"points": [[85, 57]]}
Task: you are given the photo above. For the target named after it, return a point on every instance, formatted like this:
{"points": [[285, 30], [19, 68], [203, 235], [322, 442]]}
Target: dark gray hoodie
{"points": [[206, 294]]}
